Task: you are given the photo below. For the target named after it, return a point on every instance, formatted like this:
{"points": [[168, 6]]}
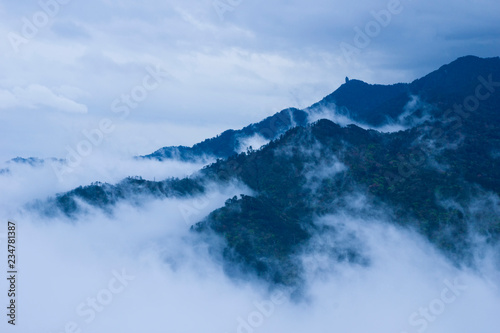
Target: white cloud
{"points": [[71, 92], [256, 142], [177, 285], [331, 113], [36, 96], [8, 99]]}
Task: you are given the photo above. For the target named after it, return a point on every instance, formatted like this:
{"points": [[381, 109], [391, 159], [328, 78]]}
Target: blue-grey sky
{"points": [[67, 64]]}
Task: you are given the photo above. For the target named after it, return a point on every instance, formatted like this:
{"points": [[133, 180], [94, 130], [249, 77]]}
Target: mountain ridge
{"points": [[428, 177], [371, 104]]}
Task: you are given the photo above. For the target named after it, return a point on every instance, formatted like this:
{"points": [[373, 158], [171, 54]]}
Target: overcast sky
{"points": [[143, 75], [199, 67]]}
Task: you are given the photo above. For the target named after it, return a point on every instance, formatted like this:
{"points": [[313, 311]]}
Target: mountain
{"points": [[372, 104], [31, 161], [440, 177], [369, 104], [376, 105], [231, 142]]}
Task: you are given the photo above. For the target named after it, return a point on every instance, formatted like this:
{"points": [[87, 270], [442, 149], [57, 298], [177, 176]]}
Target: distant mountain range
{"points": [[32, 161], [439, 176], [370, 104]]}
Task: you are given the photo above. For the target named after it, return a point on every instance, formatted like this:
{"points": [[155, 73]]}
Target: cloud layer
{"points": [[141, 268]]}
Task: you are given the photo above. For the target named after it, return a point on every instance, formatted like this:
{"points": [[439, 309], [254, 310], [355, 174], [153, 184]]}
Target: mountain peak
{"points": [[470, 60], [456, 78]]}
